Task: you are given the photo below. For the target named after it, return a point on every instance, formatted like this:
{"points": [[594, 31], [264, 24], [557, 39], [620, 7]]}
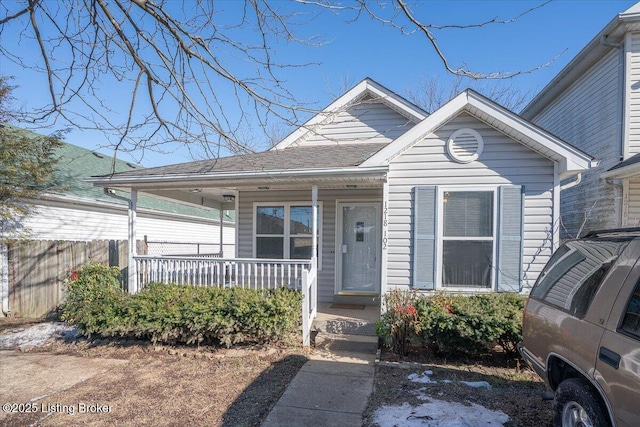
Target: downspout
{"points": [[573, 183], [132, 202]]}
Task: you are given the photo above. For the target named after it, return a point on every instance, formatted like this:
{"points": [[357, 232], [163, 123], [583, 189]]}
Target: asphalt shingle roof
{"points": [[630, 161], [307, 157]]}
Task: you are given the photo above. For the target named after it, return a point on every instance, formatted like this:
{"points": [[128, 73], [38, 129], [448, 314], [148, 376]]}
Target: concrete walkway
{"points": [[333, 387]]}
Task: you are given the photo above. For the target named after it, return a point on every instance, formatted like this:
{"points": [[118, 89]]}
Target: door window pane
{"points": [[467, 263], [270, 247], [270, 220], [468, 213], [301, 220]]}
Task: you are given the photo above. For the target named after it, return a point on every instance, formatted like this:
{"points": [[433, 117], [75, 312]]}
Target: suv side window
{"points": [[573, 275], [631, 321]]}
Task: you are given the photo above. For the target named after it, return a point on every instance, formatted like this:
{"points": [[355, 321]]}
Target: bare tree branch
{"points": [[198, 74]]}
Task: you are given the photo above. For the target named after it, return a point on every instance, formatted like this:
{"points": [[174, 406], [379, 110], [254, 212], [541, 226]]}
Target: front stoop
{"points": [[344, 326]]}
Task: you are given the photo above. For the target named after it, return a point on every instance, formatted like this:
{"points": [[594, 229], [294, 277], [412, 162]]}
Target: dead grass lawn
{"points": [[172, 386]]}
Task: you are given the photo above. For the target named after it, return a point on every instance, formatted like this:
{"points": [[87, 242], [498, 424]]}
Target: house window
{"points": [[467, 238], [285, 231]]}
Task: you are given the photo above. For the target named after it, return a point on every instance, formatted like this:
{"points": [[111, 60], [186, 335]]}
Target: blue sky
{"points": [[369, 49]]}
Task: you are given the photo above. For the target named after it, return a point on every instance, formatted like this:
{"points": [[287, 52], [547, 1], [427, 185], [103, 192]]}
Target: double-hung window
{"points": [[284, 230], [467, 238]]}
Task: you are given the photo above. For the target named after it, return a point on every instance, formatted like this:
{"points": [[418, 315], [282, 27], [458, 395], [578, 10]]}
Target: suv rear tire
{"points": [[577, 404]]}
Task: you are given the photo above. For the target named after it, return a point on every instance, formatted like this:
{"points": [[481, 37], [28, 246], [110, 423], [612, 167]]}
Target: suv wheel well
{"points": [[558, 370]]}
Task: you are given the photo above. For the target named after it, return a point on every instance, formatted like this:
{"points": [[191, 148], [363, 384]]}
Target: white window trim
{"points": [[440, 238], [287, 234]]}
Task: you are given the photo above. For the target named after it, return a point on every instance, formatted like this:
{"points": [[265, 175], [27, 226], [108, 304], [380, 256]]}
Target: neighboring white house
{"points": [[465, 199], [594, 103], [79, 211]]}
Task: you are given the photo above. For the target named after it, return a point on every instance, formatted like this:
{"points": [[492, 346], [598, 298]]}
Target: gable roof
{"points": [[608, 38], [366, 88], [570, 159]]}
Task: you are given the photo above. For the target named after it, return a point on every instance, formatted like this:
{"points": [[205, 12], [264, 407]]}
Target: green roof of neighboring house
{"points": [[76, 163]]}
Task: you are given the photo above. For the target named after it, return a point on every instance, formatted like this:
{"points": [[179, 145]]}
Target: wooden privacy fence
{"points": [[39, 270]]}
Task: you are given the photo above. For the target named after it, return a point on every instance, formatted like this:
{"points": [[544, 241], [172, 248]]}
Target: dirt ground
{"points": [[515, 389], [165, 386]]}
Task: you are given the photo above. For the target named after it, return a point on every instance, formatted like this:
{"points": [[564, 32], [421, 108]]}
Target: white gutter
{"points": [[353, 171], [572, 183], [628, 171]]}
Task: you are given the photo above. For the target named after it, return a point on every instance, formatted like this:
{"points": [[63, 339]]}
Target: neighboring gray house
{"points": [[594, 103], [464, 199]]}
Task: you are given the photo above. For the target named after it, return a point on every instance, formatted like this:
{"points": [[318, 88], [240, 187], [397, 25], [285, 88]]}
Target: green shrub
{"points": [[169, 313], [94, 299], [399, 324], [470, 325]]}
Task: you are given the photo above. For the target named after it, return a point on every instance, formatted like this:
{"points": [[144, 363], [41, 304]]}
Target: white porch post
{"points": [[314, 238], [221, 230], [314, 252], [133, 276]]}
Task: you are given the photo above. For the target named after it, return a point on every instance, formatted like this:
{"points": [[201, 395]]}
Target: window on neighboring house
{"points": [[285, 231], [467, 238]]}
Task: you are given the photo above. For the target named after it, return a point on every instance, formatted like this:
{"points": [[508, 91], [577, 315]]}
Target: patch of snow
{"points": [[424, 378], [477, 384], [37, 335], [439, 413]]}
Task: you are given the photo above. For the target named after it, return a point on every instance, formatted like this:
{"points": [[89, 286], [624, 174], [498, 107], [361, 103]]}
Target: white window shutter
{"points": [[510, 227], [424, 237]]}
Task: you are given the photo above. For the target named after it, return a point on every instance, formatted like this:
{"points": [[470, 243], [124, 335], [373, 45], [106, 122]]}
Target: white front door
{"points": [[358, 254]]}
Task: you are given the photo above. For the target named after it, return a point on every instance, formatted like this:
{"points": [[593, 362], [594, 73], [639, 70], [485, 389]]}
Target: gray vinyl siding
{"points": [[366, 121], [502, 162], [326, 276], [588, 115], [633, 91]]}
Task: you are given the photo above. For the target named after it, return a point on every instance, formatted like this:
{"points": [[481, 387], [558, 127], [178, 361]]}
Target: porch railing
{"points": [[230, 272]]}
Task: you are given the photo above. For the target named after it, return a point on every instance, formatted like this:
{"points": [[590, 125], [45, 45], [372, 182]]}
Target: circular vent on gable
{"points": [[465, 145]]}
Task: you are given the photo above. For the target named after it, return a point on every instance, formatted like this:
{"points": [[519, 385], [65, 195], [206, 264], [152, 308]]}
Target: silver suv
{"points": [[581, 329]]}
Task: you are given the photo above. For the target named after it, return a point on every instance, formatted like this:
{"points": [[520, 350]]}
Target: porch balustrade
{"points": [[221, 272], [230, 272]]}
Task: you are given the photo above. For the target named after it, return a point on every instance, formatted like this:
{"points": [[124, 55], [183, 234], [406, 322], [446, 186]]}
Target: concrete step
{"points": [[347, 326], [346, 342]]}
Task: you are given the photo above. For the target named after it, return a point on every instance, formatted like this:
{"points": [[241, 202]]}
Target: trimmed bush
{"points": [[94, 299], [447, 324], [168, 313]]}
